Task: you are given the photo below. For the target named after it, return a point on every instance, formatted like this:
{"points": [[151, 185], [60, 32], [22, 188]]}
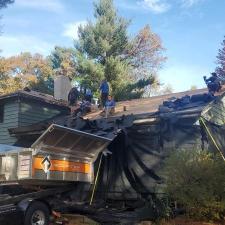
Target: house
{"points": [[94, 123], [24, 108]]}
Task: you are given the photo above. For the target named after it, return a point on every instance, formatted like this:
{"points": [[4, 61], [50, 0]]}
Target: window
{"points": [[1, 113]]}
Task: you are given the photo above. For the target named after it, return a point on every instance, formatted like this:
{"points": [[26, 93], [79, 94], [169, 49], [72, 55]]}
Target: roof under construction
{"points": [[135, 110], [145, 105]]}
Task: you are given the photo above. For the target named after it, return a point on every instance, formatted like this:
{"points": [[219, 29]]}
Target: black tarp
{"points": [[213, 122], [132, 170]]}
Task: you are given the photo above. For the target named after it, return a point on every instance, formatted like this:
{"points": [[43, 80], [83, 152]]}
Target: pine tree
{"points": [[4, 3], [107, 36], [105, 50], [220, 70]]}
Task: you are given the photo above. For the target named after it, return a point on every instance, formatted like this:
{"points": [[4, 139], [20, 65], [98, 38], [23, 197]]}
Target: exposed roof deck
{"points": [[144, 105]]}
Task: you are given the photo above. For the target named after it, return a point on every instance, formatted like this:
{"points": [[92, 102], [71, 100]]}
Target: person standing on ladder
{"points": [[104, 88]]}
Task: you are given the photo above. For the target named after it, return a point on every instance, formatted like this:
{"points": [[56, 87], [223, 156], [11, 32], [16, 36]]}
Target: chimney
{"points": [[62, 86]]}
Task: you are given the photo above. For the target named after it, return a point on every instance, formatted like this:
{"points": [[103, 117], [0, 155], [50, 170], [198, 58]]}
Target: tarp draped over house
{"points": [[132, 170], [214, 120]]}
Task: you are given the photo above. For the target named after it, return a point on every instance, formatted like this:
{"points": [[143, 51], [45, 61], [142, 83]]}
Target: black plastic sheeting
{"points": [[132, 168], [129, 186], [214, 124], [217, 132]]}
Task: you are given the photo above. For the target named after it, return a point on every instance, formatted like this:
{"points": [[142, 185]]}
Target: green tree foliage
{"points": [[89, 73], [5, 3], [105, 47], [64, 60], [195, 179], [220, 70], [25, 70], [107, 36], [128, 93]]}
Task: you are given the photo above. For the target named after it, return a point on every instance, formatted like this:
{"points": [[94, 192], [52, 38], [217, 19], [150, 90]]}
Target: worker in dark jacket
{"points": [[213, 83], [73, 96], [88, 95], [104, 88]]}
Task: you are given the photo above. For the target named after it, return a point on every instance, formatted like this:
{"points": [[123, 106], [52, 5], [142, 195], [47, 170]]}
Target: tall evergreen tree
{"points": [[5, 3], [105, 50], [107, 36], [101, 45], [220, 70]]}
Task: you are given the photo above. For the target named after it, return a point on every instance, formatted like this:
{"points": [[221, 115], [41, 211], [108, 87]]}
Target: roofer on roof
{"points": [[213, 83], [109, 106], [88, 95], [73, 96], [104, 88]]}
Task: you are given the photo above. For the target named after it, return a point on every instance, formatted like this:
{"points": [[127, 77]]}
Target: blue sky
{"points": [[191, 31]]}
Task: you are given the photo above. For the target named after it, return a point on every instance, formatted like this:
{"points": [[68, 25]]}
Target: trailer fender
{"points": [[24, 204]]}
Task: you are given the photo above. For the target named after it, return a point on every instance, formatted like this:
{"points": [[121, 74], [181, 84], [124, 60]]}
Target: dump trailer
{"points": [[36, 180]]}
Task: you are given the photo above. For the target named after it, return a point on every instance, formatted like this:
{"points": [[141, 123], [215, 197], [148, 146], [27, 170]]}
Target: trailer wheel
{"points": [[37, 214]]}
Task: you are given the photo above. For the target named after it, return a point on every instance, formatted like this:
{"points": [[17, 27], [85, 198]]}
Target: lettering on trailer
{"points": [[46, 164]]}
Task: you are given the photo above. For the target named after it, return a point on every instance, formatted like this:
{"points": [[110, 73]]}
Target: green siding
{"points": [[23, 113], [31, 113], [10, 120]]}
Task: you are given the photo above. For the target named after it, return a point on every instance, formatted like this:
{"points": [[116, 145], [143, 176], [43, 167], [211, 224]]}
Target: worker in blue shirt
{"points": [[104, 88], [110, 104]]}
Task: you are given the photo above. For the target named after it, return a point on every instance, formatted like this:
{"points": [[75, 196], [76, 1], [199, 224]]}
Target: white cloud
{"points": [[11, 45], [47, 5], [189, 3], [71, 29], [162, 6], [156, 6]]}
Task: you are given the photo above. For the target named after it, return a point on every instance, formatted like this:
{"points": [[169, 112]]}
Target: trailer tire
{"points": [[37, 214]]}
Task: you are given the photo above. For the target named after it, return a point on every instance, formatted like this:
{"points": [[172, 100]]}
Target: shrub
{"points": [[196, 180]]}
